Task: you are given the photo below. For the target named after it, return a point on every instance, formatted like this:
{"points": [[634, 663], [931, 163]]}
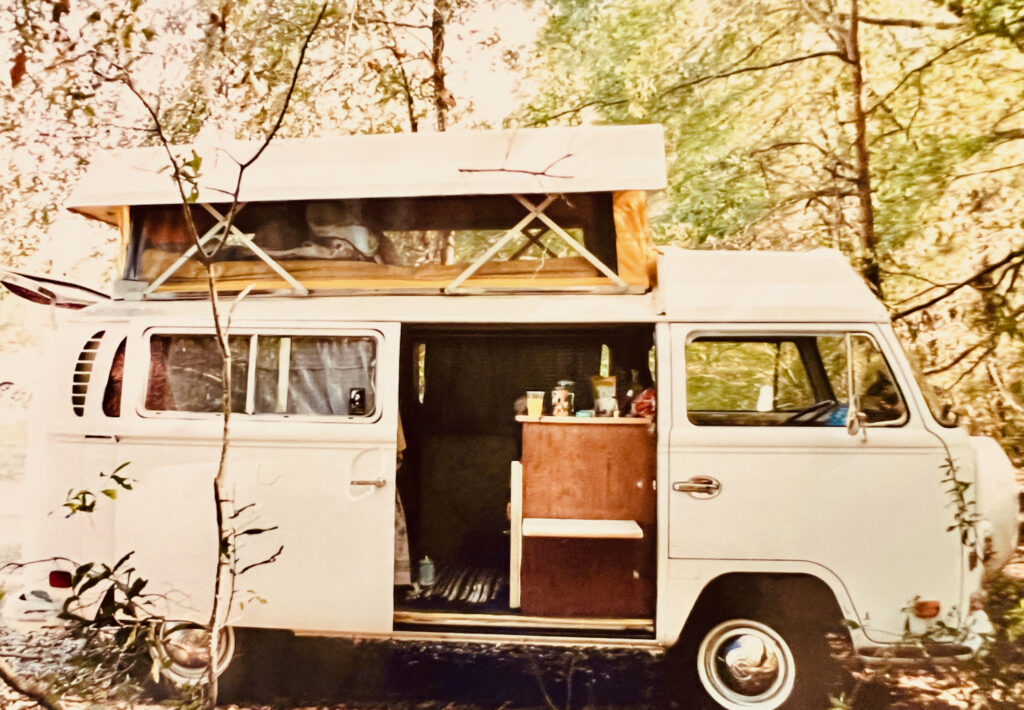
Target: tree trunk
{"points": [[442, 99], [444, 248], [868, 239]]}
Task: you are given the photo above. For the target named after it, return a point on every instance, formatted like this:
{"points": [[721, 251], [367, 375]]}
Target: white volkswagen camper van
{"points": [[424, 412]]}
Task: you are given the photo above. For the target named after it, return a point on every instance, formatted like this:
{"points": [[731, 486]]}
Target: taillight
{"points": [[60, 579]]}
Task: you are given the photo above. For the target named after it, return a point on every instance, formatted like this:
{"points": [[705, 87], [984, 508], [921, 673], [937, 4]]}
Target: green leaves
{"points": [[188, 173], [84, 500]]}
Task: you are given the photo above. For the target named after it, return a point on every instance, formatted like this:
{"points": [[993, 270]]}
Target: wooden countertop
{"points": [[547, 419]]}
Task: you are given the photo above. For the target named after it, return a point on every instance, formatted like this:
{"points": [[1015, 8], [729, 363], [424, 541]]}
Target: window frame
{"points": [[790, 333], [253, 333]]}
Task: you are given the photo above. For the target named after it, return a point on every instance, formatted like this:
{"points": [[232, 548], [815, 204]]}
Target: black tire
{"points": [[180, 659], [751, 659]]}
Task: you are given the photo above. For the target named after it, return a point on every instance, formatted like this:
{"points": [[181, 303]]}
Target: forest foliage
{"points": [[758, 100], [890, 129]]}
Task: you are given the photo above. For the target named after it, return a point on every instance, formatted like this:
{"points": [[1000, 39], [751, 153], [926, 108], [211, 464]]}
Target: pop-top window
{"points": [[797, 380], [397, 232], [303, 375]]}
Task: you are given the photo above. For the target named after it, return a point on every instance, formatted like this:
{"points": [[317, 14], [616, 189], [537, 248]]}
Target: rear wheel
{"points": [[183, 654]]}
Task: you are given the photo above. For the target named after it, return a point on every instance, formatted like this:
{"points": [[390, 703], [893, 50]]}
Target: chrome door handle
{"points": [[701, 486], [376, 483]]}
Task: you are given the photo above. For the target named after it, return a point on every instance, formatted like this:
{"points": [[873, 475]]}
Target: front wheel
{"points": [[742, 662]]}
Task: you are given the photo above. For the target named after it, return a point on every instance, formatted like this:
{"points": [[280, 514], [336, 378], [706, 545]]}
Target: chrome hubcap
{"points": [[184, 650], [746, 664]]}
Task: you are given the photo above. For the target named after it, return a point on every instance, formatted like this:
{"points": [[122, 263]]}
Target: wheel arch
{"points": [[788, 611], [796, 595]]}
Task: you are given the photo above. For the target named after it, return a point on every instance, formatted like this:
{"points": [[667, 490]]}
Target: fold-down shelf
{"points": [[578, 527]]}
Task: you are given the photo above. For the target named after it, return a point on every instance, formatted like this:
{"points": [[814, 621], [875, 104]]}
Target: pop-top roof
{"points": [[534, 160]]}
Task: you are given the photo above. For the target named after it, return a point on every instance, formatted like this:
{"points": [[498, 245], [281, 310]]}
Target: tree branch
{"points": [[31, 689], [905, 22], [918, 69], [1008, 396], [953, 363], [981, 358], [291, 88], [539, 173], [757, 67], [604, 103], [986, 172], [1014, 134], [266, 561], [950, 290]]}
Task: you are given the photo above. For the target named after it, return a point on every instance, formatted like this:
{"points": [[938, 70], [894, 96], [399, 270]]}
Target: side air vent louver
{"points": [[83, 370]]}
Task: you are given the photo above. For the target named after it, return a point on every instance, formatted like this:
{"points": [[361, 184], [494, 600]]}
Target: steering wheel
{"points": [[810, 413]]}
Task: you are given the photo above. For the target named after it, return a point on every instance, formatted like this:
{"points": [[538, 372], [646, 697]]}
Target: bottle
{"points": [[629, 392], [426, 576]]}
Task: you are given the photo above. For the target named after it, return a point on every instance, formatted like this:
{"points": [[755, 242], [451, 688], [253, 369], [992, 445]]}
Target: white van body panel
{"points": [[867, 518], [334, 571], [763, 286], [997, 499], [817, 495]]}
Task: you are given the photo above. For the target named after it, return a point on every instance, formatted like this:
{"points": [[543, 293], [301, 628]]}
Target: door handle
{"points": [[376, 483], [699, 487]]}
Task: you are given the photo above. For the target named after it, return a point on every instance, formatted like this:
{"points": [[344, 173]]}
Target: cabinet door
{"points": [[591, 470]]}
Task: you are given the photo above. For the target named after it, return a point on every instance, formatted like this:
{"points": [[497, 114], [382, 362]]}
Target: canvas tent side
{"points": [[533, 209]]}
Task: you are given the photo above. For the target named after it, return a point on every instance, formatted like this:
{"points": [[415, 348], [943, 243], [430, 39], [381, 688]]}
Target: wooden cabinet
{"points": [[588, 517]]}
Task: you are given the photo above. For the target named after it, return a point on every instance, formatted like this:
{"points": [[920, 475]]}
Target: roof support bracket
{"points": [[533, 212], [235, 237]]}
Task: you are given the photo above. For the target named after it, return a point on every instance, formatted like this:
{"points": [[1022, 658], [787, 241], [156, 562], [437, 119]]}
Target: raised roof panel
{"points": [[534, 160], [552, 209]]}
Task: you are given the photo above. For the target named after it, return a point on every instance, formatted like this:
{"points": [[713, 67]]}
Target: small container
{"points": [[534, 403], [563, 399], [605, 404], [427, 575]]}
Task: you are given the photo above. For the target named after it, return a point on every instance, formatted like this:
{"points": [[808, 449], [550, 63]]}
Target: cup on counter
{"points": [[534, 403]]}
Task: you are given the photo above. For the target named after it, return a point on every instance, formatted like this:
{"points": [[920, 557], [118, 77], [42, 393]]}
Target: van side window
{"points": [[112, 392], [185, 373], [332, 375], [791, 380], [311, 375], [874, 385]]}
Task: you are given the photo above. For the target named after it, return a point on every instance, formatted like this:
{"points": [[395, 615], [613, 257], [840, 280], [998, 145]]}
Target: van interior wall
{"points": [[463, 436]]}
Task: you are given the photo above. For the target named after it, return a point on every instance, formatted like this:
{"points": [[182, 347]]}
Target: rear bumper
{"points": [[31, 605], [919, 651]]}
